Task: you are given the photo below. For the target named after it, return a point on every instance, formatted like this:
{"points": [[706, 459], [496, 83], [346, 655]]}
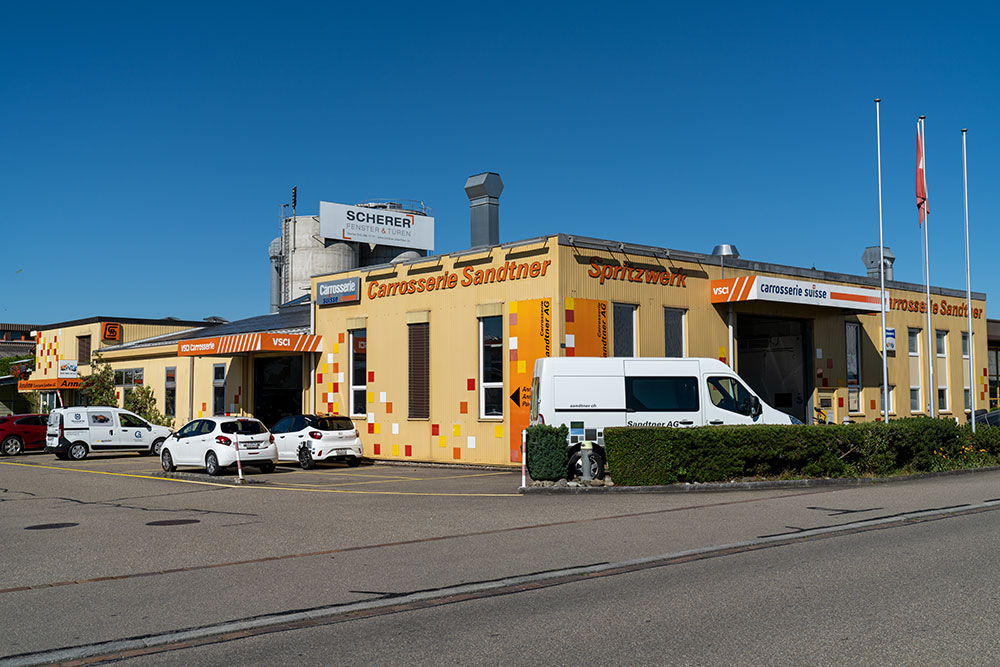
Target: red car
{"points": [[19, 433]]}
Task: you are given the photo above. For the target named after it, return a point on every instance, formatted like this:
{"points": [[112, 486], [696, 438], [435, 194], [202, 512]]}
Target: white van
{"points": [[590, 393], [75, 432]]}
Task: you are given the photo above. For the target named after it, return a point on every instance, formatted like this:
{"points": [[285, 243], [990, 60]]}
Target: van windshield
{"points": [[243, 427]]}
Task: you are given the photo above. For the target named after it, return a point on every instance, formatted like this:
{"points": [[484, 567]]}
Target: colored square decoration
{"points": [[456, 452], [388, 408], [522, 366], [395, 450], [471, 384], [829, 363], [340, 337], [435, 429], [371, 428], [826, 383], [873, 404], [442, 441], [377, 449], [840, 402], [498, 431], [463, 407], [569, 316], [408, 450], [371, 376], [456, 430]]}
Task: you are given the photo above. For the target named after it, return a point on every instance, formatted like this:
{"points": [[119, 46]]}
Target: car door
{"points": [[728, 401], [283, 440], [135, 432], [32, 430], [181, 448], [103, 430]]}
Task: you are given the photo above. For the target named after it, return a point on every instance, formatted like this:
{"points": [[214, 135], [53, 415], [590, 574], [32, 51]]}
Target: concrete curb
{"points": [[750, 486]]}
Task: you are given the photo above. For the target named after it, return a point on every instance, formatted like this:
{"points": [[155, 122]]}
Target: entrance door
{"points": [[773, 357], [277, 388]]}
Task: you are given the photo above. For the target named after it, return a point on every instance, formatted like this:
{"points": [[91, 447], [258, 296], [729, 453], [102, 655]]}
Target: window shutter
{"points": [[420, 373], [83, 350]]}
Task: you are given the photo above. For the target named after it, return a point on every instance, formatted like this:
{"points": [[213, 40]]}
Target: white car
{"points": [[311, 438], [214, 443]]}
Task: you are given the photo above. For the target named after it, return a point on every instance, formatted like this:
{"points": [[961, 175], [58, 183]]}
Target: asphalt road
{"points": [[356, 551]]}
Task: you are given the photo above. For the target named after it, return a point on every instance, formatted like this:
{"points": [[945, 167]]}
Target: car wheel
{"points": [[353, 461], [306, 459], [212, 466], [12, 446], [77, 451], [167, 461], [267, 467], [157, 446], [596, 465]]}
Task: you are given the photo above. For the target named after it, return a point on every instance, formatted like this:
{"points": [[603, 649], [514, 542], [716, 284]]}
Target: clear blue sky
{"points": [[146, 149]]}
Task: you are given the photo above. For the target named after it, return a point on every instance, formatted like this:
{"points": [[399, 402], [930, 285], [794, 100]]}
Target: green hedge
{"points": [[657, 455], [548, 454]]}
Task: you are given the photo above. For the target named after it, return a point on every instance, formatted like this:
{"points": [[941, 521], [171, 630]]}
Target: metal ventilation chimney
{"points": [[870, 258], [484, 191]]}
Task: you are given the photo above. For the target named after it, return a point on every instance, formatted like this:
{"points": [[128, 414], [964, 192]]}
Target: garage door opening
{"points": [[278, 387], [773, 357]]}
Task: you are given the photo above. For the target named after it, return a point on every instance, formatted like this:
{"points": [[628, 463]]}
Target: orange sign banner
{"points": [[249, 342], [48, 385], [586, 327], [530, 325]]}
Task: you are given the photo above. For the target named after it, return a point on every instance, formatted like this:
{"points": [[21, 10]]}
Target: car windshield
{"points": [[334, 424], [243, 427]]}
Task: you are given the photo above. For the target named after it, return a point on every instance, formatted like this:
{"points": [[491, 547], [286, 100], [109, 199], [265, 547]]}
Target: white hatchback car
{"points": [[311, 438], [215, 443]]}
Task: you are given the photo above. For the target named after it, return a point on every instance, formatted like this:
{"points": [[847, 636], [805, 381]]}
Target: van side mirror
{"points": [[755, 408], [149, 427]]}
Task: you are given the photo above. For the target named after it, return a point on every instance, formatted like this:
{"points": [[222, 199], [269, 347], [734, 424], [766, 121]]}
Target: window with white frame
{"points": [[892, 400], [218, 389], [170, 392], [853, 367], [624, 315], [913, 336], [359, 372], [941, 345], [673, 332], [491, 367]]}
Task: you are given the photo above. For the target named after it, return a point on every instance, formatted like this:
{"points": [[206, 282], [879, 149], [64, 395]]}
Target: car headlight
{"points": [[795, 420]]}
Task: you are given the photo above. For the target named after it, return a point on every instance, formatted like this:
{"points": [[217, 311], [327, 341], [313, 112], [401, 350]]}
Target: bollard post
{"points": [[585, 448], [524, 458]]}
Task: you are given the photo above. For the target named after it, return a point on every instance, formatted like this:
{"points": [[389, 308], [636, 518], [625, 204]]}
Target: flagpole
{"points": [[931, 349], [968, 289], [881, 261]]}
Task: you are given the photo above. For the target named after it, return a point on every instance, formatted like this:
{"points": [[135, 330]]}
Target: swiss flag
{"points": [[922, 207]]}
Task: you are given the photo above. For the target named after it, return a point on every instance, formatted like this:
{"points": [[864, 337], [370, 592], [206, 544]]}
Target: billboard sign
{"points": [[346, 290], [376, 225], [67, 368]]}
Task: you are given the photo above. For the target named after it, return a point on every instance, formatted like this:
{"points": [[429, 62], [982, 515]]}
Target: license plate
{"points": [[251, 445], [343, 452]]}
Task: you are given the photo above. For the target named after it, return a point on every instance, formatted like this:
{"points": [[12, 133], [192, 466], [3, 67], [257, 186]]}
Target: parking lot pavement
{"points": [[371, 477]]}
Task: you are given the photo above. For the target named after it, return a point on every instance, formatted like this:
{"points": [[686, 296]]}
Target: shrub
{"points": [[547, 453], [660, 455]]}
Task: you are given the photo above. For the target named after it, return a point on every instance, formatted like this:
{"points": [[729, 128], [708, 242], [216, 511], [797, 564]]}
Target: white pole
{"points": [[239, 465], [931, 349], [881, 262], [968, 290]]}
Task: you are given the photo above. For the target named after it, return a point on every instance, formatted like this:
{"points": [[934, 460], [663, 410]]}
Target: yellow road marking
{"points": [[105, 472], [261, 486]]}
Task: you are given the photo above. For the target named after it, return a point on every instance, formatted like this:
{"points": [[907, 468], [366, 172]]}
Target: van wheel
{"points": [[12, 446], [157, 446], [596, 465], [306, 459], [77, 451], [167, 461], [212, 466], [267, 467]]}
